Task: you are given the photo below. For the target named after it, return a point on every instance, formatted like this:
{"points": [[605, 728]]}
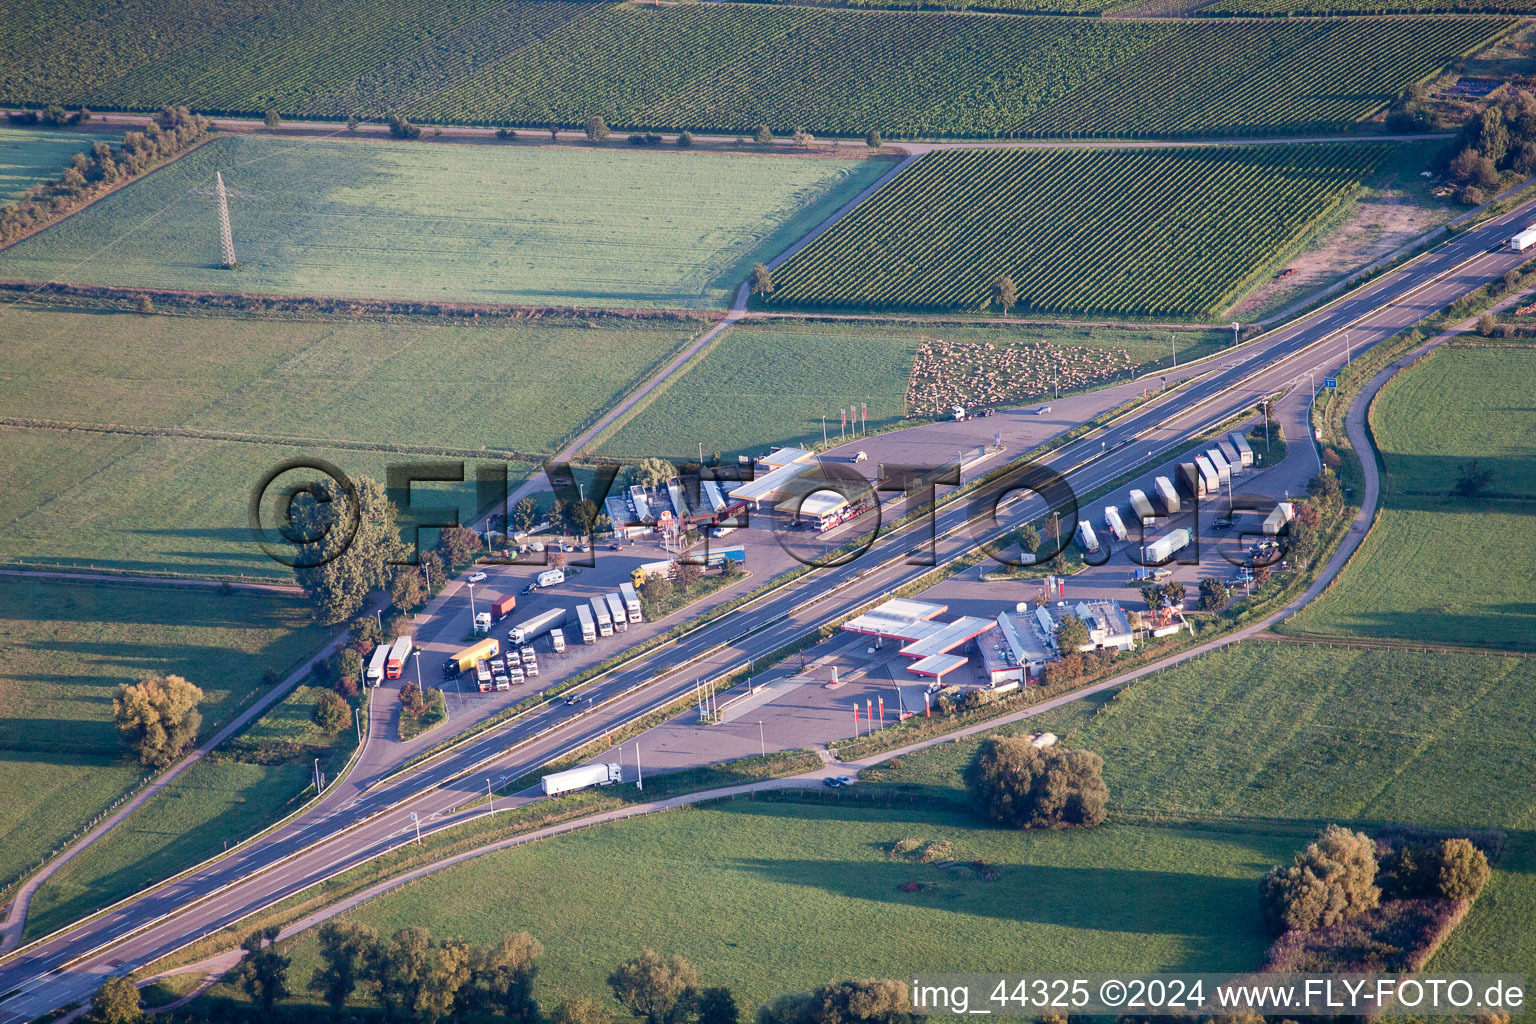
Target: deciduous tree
{"points": [[659, 989], [344, 950], [1463, 870], [116, 1002], [332, 713], [1332, 880], [354, 545], [762, 279], [1004, 294], [503, 979], [263, 973], [1017, 784], [158, 717]]}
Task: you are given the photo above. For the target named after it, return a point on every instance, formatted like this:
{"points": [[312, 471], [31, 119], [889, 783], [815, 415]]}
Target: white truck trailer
{"points": [[557, 640], [1208, 474], [1222, 466], [1141, 506], [600, 613], [1275, 522], [1169, 496], [1244, 449], [1162, 549], [587, 775], [1520, 241], [529, 630], [376, 664], [1229, 452], [588, 624], [1113, 521], [631, 601], [617, 611], [1086, 538]]}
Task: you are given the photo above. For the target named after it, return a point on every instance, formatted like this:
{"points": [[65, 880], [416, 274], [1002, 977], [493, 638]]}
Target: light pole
{"points": [[1235, 328], [639, 779], [417, 822], [1175, 349], [357, 720], [761, 741], [489, 795], [1347, 357], [471, 587]]}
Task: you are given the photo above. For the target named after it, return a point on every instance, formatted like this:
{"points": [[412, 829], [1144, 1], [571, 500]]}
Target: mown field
{"points": [[1438, 567], [813, 884], [220, 800], [727, 67], [1266, 731], [63, 652], [1287, 8], [361, 394], [503, 225], [770, 384], [1207, 223], [29, 156]]}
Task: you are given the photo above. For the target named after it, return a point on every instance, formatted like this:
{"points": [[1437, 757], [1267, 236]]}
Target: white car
{"points": [[477, 577]]}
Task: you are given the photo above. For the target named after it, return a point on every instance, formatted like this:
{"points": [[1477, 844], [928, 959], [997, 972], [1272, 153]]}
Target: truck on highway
{"points": [[398, 652], [529, 630], [1113, 521], [1276, 521], [502, 606], [617, 611], [640, 573], [465, 659], [1162, 549], [571, 780], [1523, 240], [1244, 449], [588, 624], [1086, 538], [1165, 492], [1141, 506], [550, 578], [375, 674], [557, 640], [1191, 480], [631, 601], [600, 613]]}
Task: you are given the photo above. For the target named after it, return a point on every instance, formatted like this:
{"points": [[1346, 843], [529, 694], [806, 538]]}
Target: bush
{"points": [[597, 129], [331, 712], [506, 134], [1463, 870], [763, 136], [684, 139], [1332, 880], [1015, 783], [1214, 595]]}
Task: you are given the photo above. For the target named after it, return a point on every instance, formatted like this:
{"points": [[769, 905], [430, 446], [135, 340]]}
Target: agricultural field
{"points": [[1288, 8], [63, 652], [519, 225], [722, 885], [1436, 566], [204, 422], [255, 779], [1259, 77], [30, 156], [1211, 221], [770, 384], [729, 67]]}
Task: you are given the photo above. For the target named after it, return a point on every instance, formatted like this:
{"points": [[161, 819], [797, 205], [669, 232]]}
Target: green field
{"points": [[726, 67], [30, 156], [1208, 222], [1436, 567], [771, 384], [1287, 8], [220, 800], [393, 390], [63, 652], [813, 885], [506, 225]]}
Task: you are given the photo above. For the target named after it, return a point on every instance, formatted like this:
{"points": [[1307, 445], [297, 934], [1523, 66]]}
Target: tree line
{"points": [[88, 175], [412, 976]]}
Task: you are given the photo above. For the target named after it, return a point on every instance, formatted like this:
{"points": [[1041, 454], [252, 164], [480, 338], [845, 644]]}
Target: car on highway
{"points": [[477, 577]]}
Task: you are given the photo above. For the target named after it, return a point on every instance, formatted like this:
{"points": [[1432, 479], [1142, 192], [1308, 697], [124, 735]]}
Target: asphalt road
{"points": [[346, 828]]}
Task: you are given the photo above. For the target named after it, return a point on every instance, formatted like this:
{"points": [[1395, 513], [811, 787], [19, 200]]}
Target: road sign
{"points": [[1330, 382]]}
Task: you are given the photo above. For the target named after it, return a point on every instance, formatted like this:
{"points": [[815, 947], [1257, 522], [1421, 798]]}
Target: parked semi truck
{"points": [[1113, 521], [640, 573], [631, 601], [604, 620], [1086, 538], [1165, 492], [1141, 506], [1275, 522], [376, 664], [717, 556], [581, 778], [1191, 480], [1230, 453], [483, 678], [617, 612], [398, 652], [529, 630], [1208, 473], [588, 624], [1222, 466], [502, 607], [1244, 449], [1162, 549], [557, 640], [481, 650]]}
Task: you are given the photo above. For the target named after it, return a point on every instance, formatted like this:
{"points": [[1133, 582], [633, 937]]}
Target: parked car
{"points": [[531, 588], [837, 781], [860, 456], [477, 577]]}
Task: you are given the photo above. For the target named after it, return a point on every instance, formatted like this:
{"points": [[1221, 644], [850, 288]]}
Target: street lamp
{"points": [[417, 822], [1175, 350], [761, 741], [1235, 328], [489, 795], [471, 587]]}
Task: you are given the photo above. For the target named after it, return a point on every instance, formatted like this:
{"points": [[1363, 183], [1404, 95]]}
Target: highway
{"points": [[346, 828]]}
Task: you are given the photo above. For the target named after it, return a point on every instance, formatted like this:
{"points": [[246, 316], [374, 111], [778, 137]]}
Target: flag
{"points": [[845, 418], [927, 708], [864, 408], [882, 710]]}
